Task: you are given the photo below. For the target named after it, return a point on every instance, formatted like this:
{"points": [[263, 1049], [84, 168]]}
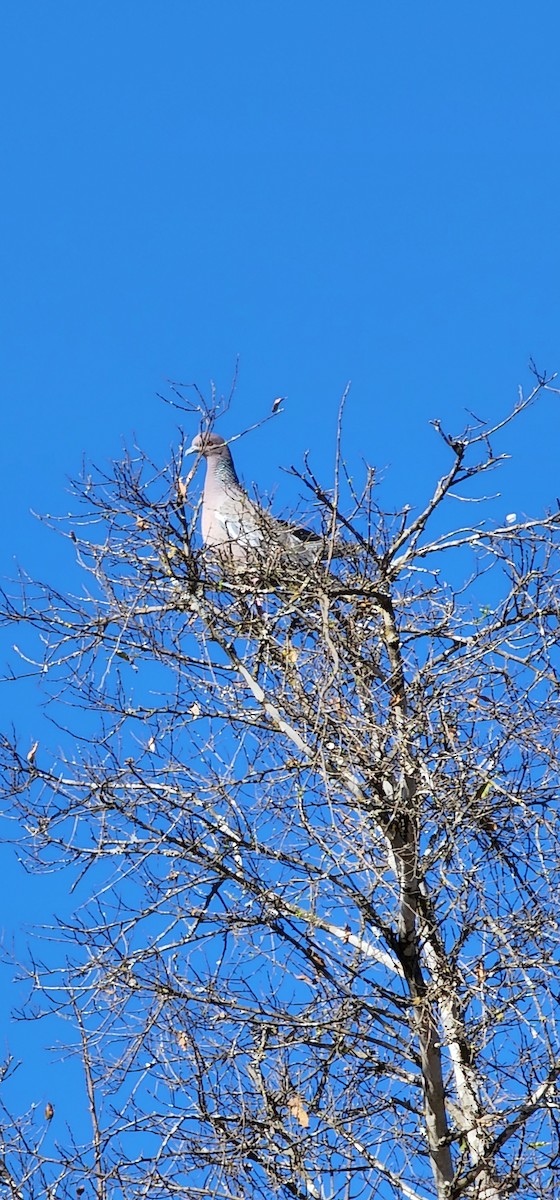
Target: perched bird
{"points": [[241, 533]]}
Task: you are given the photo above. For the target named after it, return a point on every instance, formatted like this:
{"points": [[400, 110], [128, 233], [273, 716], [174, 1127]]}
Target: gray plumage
{"points": [[241, 533]]}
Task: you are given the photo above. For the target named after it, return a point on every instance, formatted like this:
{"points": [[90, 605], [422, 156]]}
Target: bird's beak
{"points": [[192, 450]]}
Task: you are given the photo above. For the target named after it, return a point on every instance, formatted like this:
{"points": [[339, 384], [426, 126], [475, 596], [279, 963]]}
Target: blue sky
{"points": [[332, 192]]}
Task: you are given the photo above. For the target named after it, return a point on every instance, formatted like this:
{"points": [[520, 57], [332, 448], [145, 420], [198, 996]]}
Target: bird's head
{"points": [[207, 444]]}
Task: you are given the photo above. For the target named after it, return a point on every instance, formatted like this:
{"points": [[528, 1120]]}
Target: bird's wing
{"points": [[240, 525]]}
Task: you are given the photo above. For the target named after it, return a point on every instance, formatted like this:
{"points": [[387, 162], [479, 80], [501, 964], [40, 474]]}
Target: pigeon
{"points": [[238, 531]]}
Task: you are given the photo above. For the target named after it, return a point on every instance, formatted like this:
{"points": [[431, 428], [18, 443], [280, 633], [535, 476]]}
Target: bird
{"points": [[242, 534]]}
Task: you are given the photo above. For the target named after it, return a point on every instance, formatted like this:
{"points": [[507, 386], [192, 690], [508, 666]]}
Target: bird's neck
{"points": [[225, 470]]}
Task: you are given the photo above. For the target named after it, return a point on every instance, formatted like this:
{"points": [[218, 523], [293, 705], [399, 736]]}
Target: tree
{"points": [[316, 818]]}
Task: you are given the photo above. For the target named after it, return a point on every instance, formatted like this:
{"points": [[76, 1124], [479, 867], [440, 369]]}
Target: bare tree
{"points": [[316, 814]]}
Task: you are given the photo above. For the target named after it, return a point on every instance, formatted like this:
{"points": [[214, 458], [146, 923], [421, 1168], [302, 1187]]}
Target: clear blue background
{"points": [[331, 191]]}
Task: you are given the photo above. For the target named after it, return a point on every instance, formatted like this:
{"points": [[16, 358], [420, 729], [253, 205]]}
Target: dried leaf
{"points": [[123, 654], [32, 752], [49, 1111], [289, 653], [485, 789], [298, 1110]]}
